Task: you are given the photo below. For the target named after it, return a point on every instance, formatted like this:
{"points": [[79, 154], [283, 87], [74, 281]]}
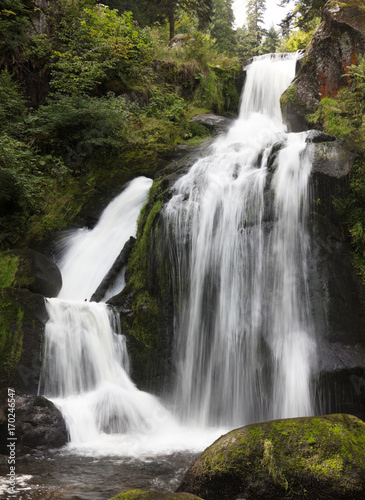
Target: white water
{"points": [[244, 346], [89, 254], [244, 343], [86, 366]]}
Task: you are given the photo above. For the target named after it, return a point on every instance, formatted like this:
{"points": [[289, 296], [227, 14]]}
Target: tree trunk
{"points": [[172, 20]]}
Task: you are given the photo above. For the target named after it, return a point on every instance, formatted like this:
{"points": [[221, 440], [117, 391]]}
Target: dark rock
{"points": [[274, 151], [23, 316], [38, 423], [331, 158], [336, 44], [153, 495], [35, 272], [213, 122], [120, 262], [311, 457], [315, 136]]}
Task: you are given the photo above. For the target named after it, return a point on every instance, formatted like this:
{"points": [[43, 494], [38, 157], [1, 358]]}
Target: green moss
{"points": [[292, 455], [331, 116], [8, 268], [288, 97], [152, 495], [11, 337]]}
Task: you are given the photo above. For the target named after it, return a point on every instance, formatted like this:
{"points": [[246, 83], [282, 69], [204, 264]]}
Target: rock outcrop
{"points": [[315, 457], [38, 423], [336, 45], [26, 278]]}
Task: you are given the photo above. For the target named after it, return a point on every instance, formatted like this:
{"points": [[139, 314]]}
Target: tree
{"points": [[221, 27], [302, 15], [147, 12], [255, 19], [271, 41]]}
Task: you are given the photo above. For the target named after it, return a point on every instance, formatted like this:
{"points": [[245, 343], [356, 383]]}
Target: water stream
{"points": [[244, 341], [244, 345]]}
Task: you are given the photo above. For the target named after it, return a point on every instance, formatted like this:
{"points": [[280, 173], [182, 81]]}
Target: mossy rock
{"points": [[153, 495], [30, 270], [320, 458], [22, 319]]}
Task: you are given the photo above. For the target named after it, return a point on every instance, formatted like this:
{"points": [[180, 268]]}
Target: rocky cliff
{"points": [[337, 44]]}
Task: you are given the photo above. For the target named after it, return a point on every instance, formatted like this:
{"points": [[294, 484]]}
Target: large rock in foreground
{"points": [[320, 458], [38, 422]]}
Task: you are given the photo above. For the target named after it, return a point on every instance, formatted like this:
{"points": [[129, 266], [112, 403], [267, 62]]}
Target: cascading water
{"points": [[86, 366], [244, 343]]}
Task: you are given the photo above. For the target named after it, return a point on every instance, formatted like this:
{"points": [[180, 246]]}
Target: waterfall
{"points": [[244, 345], [85, 369]]}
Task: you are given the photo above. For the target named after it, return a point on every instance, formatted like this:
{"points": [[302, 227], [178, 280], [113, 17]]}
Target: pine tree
{"points": [[255, 11], [271, 41]]}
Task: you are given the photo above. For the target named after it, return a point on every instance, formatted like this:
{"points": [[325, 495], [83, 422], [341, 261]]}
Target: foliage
{"points": [[302, 16], [221, 27], [298, 38], [97, 45], [14, 25], [12, 104], [74, 127], [271, 42]]}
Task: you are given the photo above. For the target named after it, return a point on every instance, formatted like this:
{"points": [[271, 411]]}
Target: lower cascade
{"points": [[244, 344]]}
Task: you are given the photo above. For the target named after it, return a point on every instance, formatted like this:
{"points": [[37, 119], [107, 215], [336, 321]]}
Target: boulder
{"points": [[38, 423], [213, 122], [336, 45], [32, 271], [310, 457], [153, 495], [23, 317]]}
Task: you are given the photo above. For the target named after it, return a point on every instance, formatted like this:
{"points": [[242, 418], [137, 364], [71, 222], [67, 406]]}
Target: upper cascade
{"points": [[264, 86]]}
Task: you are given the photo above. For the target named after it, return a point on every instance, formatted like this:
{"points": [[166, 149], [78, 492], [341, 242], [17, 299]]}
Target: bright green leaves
{"points": [[97, 46]]}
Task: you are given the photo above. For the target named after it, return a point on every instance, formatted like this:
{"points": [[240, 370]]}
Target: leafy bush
{"points": [[97, 45], [75, 127], [165, 104], [12, 104]]}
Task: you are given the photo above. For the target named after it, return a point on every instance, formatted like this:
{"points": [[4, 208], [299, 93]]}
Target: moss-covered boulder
{"points": [[30, 270], [320, 458], [26, 277], [336, 44], [22, 320], [153, 495]]}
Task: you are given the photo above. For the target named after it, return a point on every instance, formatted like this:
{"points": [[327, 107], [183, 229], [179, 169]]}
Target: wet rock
{"points": [[38, 423], [315, 136], [213, 122], [23, 317], [331, 158], [336, 44], [33, 271], [311, 457], [118, 265], [153, 495]]}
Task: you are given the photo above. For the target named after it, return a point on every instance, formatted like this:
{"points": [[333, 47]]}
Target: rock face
{"points": [[39, 424], [27, 277], [315, 457], [34, 272], [336, 44], [153, 495]]}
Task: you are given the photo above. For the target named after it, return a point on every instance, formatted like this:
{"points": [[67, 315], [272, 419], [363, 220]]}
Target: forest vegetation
{"points": [[93, 94]]}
